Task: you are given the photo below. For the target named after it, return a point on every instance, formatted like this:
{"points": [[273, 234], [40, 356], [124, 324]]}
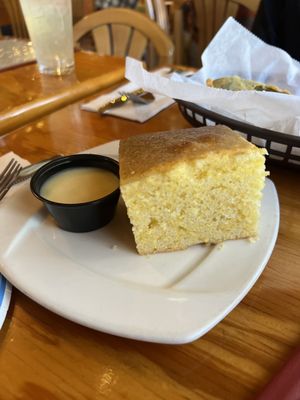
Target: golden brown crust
{"points": [[145, 154]]}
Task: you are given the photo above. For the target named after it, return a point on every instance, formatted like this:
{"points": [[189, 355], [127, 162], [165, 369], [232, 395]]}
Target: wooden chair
{"points": [[80, 8], [157, 11], [122, 32], [4, 17], [15, 13], [211, 14]]}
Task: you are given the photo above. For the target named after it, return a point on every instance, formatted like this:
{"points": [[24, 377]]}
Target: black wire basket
{"points": [[283, 149]]}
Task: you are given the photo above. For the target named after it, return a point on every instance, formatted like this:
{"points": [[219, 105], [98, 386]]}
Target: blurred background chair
{"points": [[157, 11], [167, 14], [122, 32], [101, 4], [80, 8], [209, 15], [4, 20], [17, 22]]}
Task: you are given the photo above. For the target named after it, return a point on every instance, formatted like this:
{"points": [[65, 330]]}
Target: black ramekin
{"points": [[81, 217]]}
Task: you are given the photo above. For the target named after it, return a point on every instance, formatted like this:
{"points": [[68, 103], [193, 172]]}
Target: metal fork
{"points": [[8, 176]]}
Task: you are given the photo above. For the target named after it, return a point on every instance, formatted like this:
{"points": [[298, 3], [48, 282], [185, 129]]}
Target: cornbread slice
{"points": [[199, 185]]}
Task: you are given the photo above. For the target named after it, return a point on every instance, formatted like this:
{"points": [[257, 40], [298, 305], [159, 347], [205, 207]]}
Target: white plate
{"points": [[98, 280]]}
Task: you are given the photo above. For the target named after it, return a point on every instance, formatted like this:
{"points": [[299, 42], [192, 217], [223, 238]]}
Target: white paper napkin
{"points": [[130, 110], [5, 287], [235, 51]]}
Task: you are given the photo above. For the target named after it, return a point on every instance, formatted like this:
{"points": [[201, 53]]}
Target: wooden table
{"points": [[19, 86], [44, 356]]}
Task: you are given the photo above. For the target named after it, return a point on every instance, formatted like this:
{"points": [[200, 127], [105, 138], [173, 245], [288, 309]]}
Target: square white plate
{"points": [[98, 280]]}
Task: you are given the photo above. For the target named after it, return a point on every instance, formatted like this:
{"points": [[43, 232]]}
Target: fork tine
{"points": [[3, 173], [9, 173], [9, 179]]}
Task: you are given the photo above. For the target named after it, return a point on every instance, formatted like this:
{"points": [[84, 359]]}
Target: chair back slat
{"points": [[205, 17], [231, 9], [15, 13], [157, 11], [223, 10], [138, 45], [121, 35], [252, 5], [77, 10], [211, 14], [102, 40], [211, 19], [161, 15]]}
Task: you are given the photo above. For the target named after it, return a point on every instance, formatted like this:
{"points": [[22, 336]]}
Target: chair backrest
{"points": [[15, 13], [211, 14], [4, 17], [157, 11], [77, 10], [80, 8], [122, 32]]}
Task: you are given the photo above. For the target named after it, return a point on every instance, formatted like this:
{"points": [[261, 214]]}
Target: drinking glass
{"points": [[49, 24]]}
